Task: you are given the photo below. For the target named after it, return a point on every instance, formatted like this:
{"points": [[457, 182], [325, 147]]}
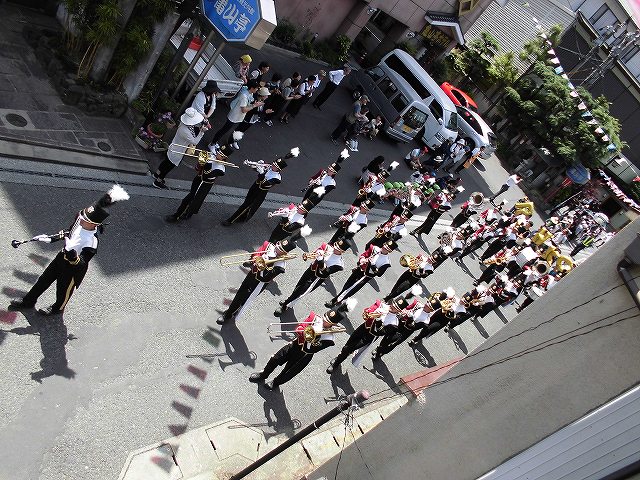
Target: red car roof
{"points": [[458, 97]]}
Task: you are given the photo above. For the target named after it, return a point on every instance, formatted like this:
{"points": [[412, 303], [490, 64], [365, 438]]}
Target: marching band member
{"points": [[380, 319], [439, 309], [418, 267], [324, 181], [70, 265], [313, 335], [439, 205], [472, 301], [351, 222], [496, 263], [258, 278], [392, 229], [269, 175], [405, 325], [294, 217], [208, 173], [538, 287], [498, 293], [479, 237], [469, 208], [371, 263], [327, 260]]}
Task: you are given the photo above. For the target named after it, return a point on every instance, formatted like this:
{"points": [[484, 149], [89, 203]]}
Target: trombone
{"points": [[203, 156], [309, 334], [253, 257]]}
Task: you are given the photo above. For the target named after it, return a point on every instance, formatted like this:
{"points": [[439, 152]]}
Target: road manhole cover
{"points": [[104, 146], [16, 120]]}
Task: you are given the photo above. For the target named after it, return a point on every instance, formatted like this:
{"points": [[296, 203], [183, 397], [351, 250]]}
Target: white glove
{"points": [[42, 238]]}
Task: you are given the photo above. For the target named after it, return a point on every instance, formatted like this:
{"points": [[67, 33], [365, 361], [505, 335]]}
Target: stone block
{"points": [[154, 463], [368, 420], [392, 407], [321, 447], [235, 438]]}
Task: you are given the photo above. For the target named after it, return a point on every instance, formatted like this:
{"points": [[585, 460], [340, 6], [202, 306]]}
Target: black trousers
{"points": [[305, 281], [342, 127], [283, 231], [503, 189], [228, 127], [357, 278], [459, 220], [255, 197], [429, 222], [326, 92], [404, 283], [493, 248], [472, 247], [165, 167], [578, 248], [490, 272], [343, 232], [360, 337], [292, 357], [67, 277], [195, 198], [248, 285], [392, 340], [434, 326]]}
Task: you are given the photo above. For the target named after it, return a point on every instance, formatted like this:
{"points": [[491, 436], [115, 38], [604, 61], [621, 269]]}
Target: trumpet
{"points": [[309, 256], [251, 164], [203, 156], [371, 315]]}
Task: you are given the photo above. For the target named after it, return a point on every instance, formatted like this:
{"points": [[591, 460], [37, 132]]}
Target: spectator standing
{"points": [[454, 155], [261, 96], [240, 106], [512, 181], [189, 132], [469, 161], [278, 98], [349, 119], [242, 67], [303, 92], [205, 100], [335, 77], [259, 74]]}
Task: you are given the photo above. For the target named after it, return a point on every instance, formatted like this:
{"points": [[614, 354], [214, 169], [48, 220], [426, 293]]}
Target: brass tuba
{"points": [[541, 267]]}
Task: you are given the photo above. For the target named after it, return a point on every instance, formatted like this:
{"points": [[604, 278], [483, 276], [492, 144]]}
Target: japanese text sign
{"points": [[233, 19]]}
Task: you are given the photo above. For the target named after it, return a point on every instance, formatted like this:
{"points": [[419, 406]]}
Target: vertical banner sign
{"points": [[233, 19]]}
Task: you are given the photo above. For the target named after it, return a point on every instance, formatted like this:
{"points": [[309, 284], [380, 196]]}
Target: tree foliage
{"points": [[541, 106], [536, 50], [476, 58], [502, 71]]}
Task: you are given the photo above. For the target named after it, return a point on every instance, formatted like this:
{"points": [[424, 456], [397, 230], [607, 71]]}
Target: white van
{"points": [[408, 99]]}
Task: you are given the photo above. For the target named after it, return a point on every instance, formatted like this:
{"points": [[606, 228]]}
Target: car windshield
{"points": [[452, 121]]}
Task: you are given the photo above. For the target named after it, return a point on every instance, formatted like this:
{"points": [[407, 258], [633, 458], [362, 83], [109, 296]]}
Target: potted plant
{"points": [[143, 138], [156, 129], [167, 119], [160, 146]]}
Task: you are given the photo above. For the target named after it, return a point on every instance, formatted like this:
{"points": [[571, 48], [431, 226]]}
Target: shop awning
{"points": [[446, 20]]}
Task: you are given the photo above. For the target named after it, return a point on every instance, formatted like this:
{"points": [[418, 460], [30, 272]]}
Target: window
{"points": [[436, 110], [375, 73], [452, 123], [398, 66], [466, 6], [603, 17], [399, 102], [630, 54], [414, 118], [388, 88], [470, 119]]}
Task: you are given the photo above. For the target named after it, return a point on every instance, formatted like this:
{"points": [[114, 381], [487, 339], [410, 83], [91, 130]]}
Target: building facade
{"points": [[377, 26]]}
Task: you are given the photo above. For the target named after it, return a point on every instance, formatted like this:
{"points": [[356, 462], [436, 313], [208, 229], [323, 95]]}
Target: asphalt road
{"points": [[118, 372]]}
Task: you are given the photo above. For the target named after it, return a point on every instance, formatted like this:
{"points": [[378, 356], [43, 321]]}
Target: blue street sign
{"points": [[578, 174], [233, 19]]}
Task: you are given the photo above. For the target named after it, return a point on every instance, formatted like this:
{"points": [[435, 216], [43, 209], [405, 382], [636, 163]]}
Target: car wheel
{"points": [[357, 93]]}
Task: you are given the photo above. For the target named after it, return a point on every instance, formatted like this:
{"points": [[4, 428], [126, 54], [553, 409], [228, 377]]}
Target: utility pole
{"points": [[341, 407], [619, 47]]}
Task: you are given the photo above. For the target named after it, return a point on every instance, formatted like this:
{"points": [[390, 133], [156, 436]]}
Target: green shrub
{"points": [[343, 44], [285, 31]]}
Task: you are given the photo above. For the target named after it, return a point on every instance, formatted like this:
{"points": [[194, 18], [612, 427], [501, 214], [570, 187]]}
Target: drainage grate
{"points": [[16, 120], [104, 146]]}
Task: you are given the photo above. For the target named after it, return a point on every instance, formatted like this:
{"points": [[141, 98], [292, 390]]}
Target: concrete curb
{"points": [[218, 450], [68, 156]]}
